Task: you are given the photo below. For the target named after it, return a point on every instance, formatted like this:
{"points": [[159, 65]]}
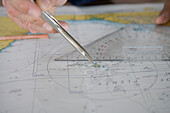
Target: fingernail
{"points": [[158, 20], [45, 4], [33, 12], [47, 27], [161, 20], [65, 26]]}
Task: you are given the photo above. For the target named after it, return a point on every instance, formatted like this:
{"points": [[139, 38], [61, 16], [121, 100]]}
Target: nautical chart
{"points": [[135, 42], [131, 72]]}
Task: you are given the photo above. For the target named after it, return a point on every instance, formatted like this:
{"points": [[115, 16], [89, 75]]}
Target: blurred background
{"points": [[99, 2]]}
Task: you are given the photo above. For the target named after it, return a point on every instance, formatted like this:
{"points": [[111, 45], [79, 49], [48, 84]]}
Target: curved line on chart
{"points": [[168, 64], [155, 79], [111, 99], [126, 90], [85, 106], [143, 90], [128, 98], [51, 76], [94, 86], [37, 59]]}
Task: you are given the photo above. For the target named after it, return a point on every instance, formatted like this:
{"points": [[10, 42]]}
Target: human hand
{"points": [[164, 16], [27, 14]]}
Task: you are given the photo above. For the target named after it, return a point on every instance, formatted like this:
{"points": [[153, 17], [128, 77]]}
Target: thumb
{"points": [[44, 5], [164, 15]]}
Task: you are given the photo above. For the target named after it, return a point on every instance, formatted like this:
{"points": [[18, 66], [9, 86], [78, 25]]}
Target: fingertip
{"points": [[64, 25], [162, 19], [30, 8], [59, 2], [44, 5], [34, 11], [158, 20], [47, 27], [164, 16]]}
